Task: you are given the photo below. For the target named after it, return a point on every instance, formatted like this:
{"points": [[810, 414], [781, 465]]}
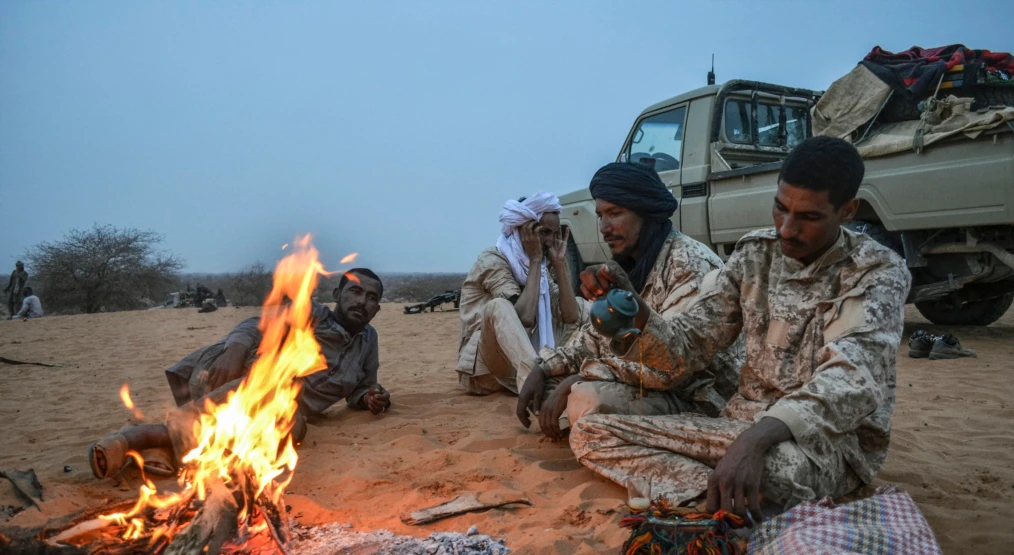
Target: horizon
{"points": [[396, 130]]}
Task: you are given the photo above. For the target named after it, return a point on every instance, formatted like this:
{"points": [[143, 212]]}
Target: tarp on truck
{"points": [[947, 118], [849, 103], [855, 106]]}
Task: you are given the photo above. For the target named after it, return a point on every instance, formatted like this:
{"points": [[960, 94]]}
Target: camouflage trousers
{"points": [[504, 354], [672, 456], [598, 397]]}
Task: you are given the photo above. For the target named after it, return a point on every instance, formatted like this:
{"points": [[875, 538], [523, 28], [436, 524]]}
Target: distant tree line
{"points": [[102, 269], [105, 269]]}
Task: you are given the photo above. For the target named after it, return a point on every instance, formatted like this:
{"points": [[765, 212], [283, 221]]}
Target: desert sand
{"points": [[952, 449]]}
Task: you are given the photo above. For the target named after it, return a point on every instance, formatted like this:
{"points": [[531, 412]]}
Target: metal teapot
{"points": [[612, 315]]}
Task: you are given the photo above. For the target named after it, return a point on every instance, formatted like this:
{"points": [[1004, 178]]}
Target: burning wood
{"points": [[232, 481]]}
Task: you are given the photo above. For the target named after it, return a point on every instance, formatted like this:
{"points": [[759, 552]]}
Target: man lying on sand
{"points": [[822, 312], [510, 305], [664, 269], [346, 339]]}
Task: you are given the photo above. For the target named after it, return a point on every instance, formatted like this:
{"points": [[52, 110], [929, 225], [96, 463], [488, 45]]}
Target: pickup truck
{"points": [[949, 209]]}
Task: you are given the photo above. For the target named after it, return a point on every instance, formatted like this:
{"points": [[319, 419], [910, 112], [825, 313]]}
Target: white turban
{"points": [[514, 215]]}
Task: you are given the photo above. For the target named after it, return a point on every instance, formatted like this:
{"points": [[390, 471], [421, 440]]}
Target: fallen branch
{"points": [[463, 504], [27, 484], [214, 524], [12, 361]]}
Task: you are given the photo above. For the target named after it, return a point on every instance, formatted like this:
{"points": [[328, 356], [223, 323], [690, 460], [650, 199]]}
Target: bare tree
{"points": [[250, 286], [103, 268]]}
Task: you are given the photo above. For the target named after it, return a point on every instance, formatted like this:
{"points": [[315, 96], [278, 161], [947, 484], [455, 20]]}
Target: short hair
{"points": [[27, 291], [365, 272], [825, 164]]}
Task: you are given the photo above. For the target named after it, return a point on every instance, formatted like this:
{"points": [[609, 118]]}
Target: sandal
{"points": [[108, 456]]}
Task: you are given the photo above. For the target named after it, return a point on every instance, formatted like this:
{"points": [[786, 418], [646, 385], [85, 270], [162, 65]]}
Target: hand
{"points": [[735, 483], [598, 280], [553, 408], [228, 367], [530, 397], [377, 399], [558, 250], [531, 241]]}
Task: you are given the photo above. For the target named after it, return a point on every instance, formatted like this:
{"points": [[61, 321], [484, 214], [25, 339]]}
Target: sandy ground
{"points": [[953, 448]]}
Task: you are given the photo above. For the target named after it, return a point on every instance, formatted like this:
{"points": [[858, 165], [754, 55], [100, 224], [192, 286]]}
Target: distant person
{"points": [[15, 288], [220, 299], [31, 307], [202, 294], [510, 306], [347, 341]]}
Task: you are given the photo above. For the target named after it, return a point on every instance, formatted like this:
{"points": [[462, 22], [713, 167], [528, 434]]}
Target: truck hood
{"points": [[575, 197]]}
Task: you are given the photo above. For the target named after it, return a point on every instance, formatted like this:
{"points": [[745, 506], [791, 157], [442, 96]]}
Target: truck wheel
{"points": [[876, 232], [575, 266], [976, 313]]}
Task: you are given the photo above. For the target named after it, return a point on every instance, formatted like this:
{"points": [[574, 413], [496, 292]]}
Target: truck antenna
{"points": [[711, 74]]}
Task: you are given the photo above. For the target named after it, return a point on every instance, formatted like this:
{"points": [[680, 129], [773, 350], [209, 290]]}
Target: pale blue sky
{"points": [[392, 129]]}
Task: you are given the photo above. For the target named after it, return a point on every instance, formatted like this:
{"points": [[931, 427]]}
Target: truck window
{"points": [[659, 137], [767, 124], [738, 121], [740, 118], [795, 124]]}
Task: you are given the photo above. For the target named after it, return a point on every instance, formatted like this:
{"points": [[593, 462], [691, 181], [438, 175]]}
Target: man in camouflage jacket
{"points": [[821, 309]]}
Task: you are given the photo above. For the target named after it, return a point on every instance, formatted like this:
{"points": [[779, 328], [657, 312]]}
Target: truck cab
{"points": [[739, 125], [947, 209]]}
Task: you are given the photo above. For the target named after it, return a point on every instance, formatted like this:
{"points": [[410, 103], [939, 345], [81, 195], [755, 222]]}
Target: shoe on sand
{"points": [[948, 346], [921, 343]]}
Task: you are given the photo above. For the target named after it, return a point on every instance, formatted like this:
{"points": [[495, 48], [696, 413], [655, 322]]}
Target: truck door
{"points": [[659, 137]]}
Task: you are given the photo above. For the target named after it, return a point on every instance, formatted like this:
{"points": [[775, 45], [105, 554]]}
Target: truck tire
{"points": [[575, 266], [899, 108], [976, 313]]}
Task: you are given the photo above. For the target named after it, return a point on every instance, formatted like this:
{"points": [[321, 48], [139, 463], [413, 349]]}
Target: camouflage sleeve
{"points": [[566, 360], [855, 371], [685, 344]]}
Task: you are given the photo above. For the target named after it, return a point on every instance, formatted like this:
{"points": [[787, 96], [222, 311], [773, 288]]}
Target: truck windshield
{"points": [[659, 137]]}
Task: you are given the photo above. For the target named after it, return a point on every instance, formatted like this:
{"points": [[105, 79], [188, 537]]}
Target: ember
{"points": [[230, 500]]}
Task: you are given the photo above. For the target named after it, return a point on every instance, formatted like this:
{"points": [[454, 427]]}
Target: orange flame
{"points": [[247, 436], [129, 403], [349, 258]]}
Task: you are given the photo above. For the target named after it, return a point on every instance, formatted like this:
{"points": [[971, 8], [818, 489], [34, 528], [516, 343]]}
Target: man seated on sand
{"points": [[510, 306], [822, 312], [31, 307], [347, 342], [664, 270]]}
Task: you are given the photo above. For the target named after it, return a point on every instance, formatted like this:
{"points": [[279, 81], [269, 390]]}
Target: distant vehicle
{"points": [[948, 210]]}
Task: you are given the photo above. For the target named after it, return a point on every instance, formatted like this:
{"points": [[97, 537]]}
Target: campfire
{"points": [[231, 484]]}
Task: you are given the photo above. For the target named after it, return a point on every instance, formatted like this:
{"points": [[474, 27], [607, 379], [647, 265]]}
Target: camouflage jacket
{"points": [[821, 342], [671, 288]]}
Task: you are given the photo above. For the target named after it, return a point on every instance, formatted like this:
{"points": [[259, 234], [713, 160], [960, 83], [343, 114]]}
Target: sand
{"points": [[953, 448]]}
